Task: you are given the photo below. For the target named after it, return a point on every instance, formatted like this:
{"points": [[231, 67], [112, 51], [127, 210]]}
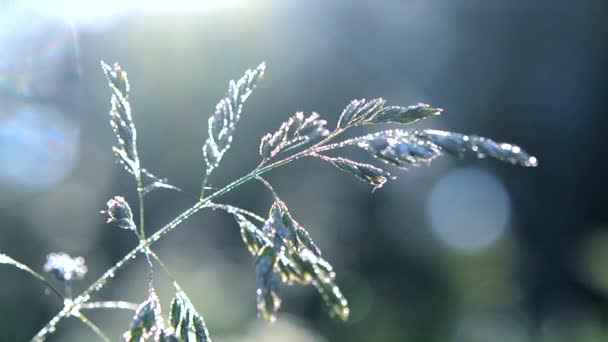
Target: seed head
{"points": [[119, 212]]}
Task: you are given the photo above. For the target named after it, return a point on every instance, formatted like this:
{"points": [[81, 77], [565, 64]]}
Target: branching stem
{"points": [[166, 270], [145, 243]]}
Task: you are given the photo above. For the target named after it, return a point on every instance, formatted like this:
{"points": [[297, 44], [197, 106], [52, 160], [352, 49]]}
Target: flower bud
{"points": [[119, 212]]}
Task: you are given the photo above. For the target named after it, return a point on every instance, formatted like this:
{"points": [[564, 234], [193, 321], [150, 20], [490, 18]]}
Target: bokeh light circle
{"points": [[468, 209]]}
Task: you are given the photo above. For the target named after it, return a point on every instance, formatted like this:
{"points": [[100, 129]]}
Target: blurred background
{"points": [[466, 250]]}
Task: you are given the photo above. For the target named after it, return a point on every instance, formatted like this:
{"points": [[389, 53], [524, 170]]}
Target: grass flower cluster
{"points": [[284, 251]]}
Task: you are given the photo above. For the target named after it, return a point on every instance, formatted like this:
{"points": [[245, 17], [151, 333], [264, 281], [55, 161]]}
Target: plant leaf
{"points": [[304, 238], [253, 237], [167, 335], [405, 148], [160, 184], [360, 110], [456, 143], [285, 231], [276, 229], [227, 113], [322, 276], [290, 272], [399, 148], [301, 262], [187, 323], [147, 320], [175, 314], [121, 119], [284, 248], [184, 327], [268, 300], [403, 115], [368, 173], [200, 330], [156, 183], [294, 132]]}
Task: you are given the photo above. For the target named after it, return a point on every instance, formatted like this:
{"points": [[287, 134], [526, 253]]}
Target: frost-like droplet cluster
{"points": [[404, 115], [399, 148], [156, 183], [64, 267], [358, 111], [268, 300], [121, 119], [366, 172], [252, 236], [456, 143], [186, 323], [123, 126], [413, 148], [374, 112], [147, 321], [296, 131], [286, 253], [227, 113]]}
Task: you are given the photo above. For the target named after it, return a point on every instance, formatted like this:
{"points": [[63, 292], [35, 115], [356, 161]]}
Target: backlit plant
{"points": [[284, 251]]}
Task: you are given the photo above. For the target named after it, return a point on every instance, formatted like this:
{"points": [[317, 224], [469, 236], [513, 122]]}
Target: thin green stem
{"points": [[48, 285], [93, 327], [267, 185], [140, 197], [142, 229], [68, 288], [114, 304], [145, 243], [42, 278], [340, 144], [166, 270], [4, 259], [232, 209], [205, 180], [110, 273]]}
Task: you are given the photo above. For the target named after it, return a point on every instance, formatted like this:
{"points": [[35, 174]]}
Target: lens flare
{"points": [[40, 86], [37, 147], [101, 13]]}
